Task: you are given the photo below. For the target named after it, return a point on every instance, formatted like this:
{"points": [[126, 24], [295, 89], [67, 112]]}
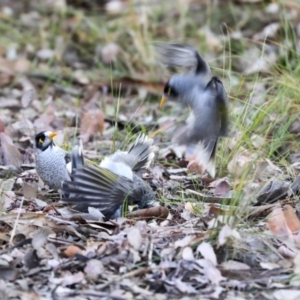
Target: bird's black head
{"points": [[170, 91], [44, 139], [181, 87]]}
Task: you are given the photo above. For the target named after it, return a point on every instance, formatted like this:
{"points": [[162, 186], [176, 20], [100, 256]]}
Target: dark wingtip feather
{"points": [[95, 187]]}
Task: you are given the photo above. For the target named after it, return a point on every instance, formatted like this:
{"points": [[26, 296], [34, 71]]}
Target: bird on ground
{"points": [[204, 94], [50, 160], [113, 184]]}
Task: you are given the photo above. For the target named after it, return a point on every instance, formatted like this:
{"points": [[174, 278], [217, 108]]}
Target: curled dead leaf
{"points": [[207, 252], [159, 212], [277, 223], [187, 253], [291, 218], [10, 154], [72, 250]]}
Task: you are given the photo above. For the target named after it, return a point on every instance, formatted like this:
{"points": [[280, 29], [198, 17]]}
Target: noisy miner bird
{"points": [[113, 183], [204, 94], [50, 160]]}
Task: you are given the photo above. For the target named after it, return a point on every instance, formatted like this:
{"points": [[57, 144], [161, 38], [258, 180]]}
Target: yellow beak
{"points": [[52, 135], [163, 101]]}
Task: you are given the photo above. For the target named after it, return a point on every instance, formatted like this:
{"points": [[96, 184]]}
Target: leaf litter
{"points": [[233, 236]]}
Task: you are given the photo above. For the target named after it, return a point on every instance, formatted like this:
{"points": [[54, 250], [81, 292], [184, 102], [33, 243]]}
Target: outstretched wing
{"points": [[182, 55], [96, 187]]}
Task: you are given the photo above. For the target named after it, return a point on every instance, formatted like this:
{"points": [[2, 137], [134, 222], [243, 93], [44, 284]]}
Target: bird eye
{"points": [[41, 141]]}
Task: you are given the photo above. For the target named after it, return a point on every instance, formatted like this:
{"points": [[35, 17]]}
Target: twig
{"points": [[16, 222], [127, 275], [150, 254]]}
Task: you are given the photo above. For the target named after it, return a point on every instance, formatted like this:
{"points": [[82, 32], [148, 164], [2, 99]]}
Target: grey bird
{"points": [[112, 185], [204, 94], [50, 160]]}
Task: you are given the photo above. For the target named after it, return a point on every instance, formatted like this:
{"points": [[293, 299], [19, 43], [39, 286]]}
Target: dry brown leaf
{"points": [[5, 139], [216, 210], [72, 250], [272, 191], [29, 190], [187, 253], [2, 128], [94, 268], [9, 198], [70, 279], [40, 203], [287, 252], [240, 164], [92, 122], [135, 255], [134, 238], [24, 126], [210, 271], [194, 166], [27, 97], [43, 121], [234, 265], [222, 187], [96, 213], [11, 155], [207, 252], [277, 223], [6, 194], [186, 241], [291, 218], [40, 238], [189, 207], [226, 232]]}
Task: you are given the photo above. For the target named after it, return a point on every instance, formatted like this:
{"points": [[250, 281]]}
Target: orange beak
{"points": [[163, 101], [52, 135]]}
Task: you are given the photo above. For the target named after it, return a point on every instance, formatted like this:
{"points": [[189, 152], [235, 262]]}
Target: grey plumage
{"points": [[206, 96], [50, 160], [113, 184]]}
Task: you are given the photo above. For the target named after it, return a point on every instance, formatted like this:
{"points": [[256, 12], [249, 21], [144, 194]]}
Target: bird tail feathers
{"points": [[142, 152], [203, 154]]}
